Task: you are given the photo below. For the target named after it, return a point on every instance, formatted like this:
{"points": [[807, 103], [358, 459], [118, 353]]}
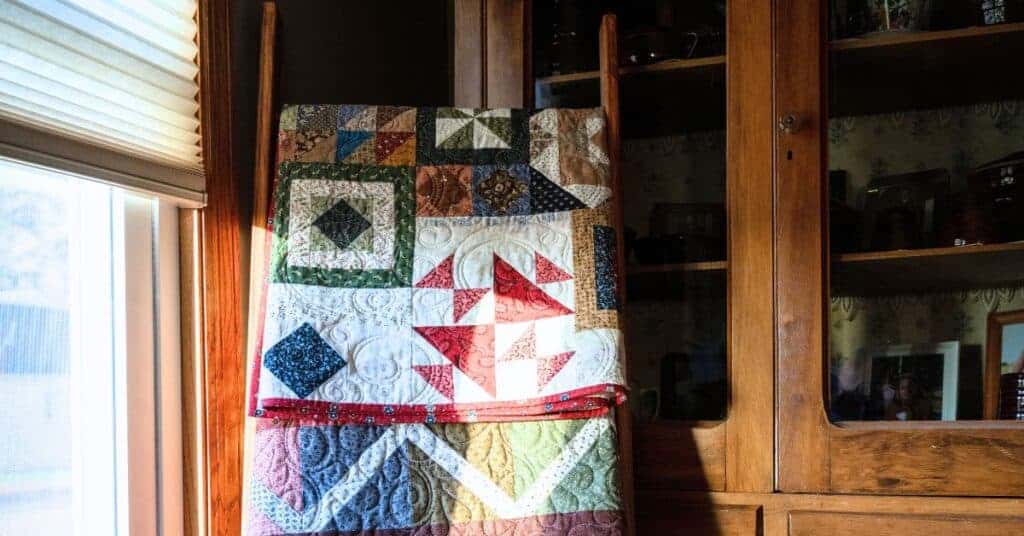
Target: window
{"points": [[89, 377]]}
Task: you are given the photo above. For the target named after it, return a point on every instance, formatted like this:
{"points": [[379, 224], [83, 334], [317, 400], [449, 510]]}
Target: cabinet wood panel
{"points": [[983, 462], [678, 456], [667, 518], [857, 524]]}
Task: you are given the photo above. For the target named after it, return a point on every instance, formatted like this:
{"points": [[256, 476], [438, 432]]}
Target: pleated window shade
{"points": [[104, 86]]}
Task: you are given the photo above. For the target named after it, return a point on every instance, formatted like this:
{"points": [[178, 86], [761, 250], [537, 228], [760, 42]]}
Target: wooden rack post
{"points": [[609, 64], [263, 174]]}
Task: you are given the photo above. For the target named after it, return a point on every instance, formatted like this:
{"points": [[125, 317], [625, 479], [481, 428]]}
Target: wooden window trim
{"points": [[968, 458], [213, 334]]}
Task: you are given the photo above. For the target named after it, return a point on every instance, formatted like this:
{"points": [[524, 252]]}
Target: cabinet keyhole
{"points": [[789, 155]]}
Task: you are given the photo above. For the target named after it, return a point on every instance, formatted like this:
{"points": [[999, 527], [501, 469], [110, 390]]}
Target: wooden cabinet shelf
{"points": [[657, 99], [695, 67], [933, 269], [913, 70], [702, 266]]}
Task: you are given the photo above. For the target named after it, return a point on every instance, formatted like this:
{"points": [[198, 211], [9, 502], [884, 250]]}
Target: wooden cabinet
{"points": [[808, 435]]}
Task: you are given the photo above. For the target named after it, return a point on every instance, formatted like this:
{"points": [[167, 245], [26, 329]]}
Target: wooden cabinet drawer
{"points": [[665, 518], [860, 524]]}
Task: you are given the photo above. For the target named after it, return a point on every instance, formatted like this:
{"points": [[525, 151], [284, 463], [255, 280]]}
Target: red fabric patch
{"points": [[387, 142], [440, 277], [547, 271], [465, 298], [440, 377], [548, 366], [524, 348], [470, 348], [516, 299]]}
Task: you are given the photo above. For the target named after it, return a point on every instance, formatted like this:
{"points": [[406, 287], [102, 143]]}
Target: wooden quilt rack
{"points": [[262, 192]]}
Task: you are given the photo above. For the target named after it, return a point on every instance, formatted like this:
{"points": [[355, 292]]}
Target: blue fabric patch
{"points": [[604, 265], [546, 196], [303, 360], [347, 112], [328, 452], [501, 190], [349, 141]]}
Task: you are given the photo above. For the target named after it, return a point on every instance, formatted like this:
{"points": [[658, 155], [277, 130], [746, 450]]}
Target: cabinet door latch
{"points": [[789, 123]]}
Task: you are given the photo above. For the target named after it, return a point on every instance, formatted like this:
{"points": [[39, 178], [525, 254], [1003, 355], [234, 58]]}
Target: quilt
{"points": [[434, 265], [513, 479]]}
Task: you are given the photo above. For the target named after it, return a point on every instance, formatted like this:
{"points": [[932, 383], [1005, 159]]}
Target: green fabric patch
{"points": [[400, 275], [461, 139], [535, 445], [289, 117], [500, 126]]}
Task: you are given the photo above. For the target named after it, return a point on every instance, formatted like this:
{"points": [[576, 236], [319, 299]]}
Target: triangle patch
{"points": [[547, 271], [546, 196], [349, 142], [389, 142], [464, 299], [548, 367], [470, 348], [440, 277], [524, 348], [364, 119], [403, 121], [439, 377], [516, 299]]}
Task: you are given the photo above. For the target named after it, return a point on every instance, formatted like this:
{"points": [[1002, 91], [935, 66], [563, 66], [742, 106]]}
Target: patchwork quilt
{"points": [[514, 479], [439, 265]]}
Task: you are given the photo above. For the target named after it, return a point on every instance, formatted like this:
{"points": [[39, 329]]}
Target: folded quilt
{"points": [[515, 479], [439, 265]]}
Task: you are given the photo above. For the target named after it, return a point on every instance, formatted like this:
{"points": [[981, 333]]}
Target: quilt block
{"points": [[440, 265], [541, 478]]}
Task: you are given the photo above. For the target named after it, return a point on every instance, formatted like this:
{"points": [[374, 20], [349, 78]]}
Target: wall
{"points": [[331, 51]]}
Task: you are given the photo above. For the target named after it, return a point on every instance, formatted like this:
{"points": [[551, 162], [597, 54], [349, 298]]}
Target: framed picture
{"points": [[912, 381], [1004, 354]]}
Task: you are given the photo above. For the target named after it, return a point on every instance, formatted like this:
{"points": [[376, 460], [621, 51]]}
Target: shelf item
{"points": [[933, 269], [910, 70]]}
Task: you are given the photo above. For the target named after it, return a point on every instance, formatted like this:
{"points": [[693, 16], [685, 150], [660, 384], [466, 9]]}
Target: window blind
{"points": [[107, 84]]}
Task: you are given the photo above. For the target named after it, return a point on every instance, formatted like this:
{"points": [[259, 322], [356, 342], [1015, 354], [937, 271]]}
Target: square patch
{"points": [[381, 135], [501, 190], [444, 191], [342, 225]]}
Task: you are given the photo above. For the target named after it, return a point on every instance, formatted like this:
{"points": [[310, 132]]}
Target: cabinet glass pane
{"points": [[673, 171], [926, 210]]}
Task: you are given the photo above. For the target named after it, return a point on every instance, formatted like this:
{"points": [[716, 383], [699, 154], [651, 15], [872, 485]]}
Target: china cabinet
{"points": [[821, 234]]}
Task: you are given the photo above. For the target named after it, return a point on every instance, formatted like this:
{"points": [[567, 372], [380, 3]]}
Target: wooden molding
{"points": [[193, 397], [749, 431], [223, 381], [469, 53], [800, 250]]}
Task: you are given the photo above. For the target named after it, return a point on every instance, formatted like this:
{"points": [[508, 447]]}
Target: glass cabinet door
{"points": [[673, 109], [925, 162], [899, 247]]}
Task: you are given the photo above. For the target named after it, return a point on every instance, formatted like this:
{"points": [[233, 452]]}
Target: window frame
{"points": [[123, 342]]}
